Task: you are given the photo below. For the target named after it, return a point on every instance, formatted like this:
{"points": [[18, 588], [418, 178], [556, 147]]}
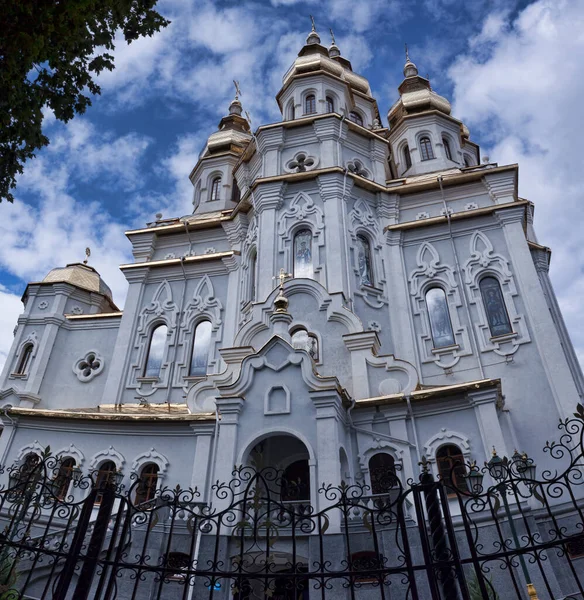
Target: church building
{"points": [[351, 293]]}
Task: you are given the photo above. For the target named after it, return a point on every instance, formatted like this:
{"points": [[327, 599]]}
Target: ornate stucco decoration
{"points": [[302, 213], [108, 454], [432, 272], [356, 167], [301, 163], [161, 310], [151, 456], [363, 221], [202, 306], [485, 261], [89, 366]]}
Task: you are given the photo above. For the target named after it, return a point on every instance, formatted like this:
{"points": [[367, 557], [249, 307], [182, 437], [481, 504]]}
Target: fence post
{"points": [[442, 552], [108, 497], [76, 545]]}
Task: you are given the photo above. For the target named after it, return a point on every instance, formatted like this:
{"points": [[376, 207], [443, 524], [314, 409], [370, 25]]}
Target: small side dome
{"points": [[81, 275]]}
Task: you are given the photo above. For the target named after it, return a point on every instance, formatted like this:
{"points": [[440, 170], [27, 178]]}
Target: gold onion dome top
{"points": [[80, 275], [233, 132], [416, 96]]}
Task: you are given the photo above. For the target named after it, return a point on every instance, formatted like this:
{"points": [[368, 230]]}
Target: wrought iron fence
{"points": [[500, 533]]}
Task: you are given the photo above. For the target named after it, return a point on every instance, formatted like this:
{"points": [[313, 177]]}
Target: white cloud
{"points": [[522, 85]]}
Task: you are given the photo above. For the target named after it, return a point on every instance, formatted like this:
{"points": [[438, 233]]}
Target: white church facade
{"points": [[415, 315]]}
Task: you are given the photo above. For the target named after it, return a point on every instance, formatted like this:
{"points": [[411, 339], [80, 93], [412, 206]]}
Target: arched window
{"points": [[440, 325], [296, 482], [330, 104], [64, 477], [426, 151], [146, 488], [356, 118], [407, 157], [253, 266], [104, 477], [156, 351], [291, 110], [215, 189], [364, 260], [302, 340], [494, 305], [25, 358], [200, 353], [450, 463], [382, 473], [310, 104], [25, 472], [303, 254], [447, 150]]}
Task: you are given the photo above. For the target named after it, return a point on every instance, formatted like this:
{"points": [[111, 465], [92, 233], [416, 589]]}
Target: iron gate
{"points": [[492, 532]]}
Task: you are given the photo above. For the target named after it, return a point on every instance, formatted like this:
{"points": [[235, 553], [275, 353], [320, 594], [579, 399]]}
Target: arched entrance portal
{"points": [[289, 457]]}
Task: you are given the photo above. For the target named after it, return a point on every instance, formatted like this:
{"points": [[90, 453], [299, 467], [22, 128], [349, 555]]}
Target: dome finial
{"points": [[333, 48], [313, 37], [235, 107], [410, 69], [87, 254]]}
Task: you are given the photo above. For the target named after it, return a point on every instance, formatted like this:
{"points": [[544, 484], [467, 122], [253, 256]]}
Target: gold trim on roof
{"points": [[94, 316], [177, 261], [457, 216], [430, 392]]}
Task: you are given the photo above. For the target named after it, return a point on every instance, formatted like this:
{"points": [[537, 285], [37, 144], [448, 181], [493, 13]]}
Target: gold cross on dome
{"points": [[313, 24], [282, 277], [237, 89]]}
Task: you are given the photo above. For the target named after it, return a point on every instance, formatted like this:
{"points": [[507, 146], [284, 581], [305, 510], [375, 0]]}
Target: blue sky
{"points": [[513, 70]]}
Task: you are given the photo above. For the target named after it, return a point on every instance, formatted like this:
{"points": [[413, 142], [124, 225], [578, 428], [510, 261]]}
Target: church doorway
{"points": [[286, 462]]}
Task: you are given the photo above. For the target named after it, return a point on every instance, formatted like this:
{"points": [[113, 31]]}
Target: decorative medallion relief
{"points": [[356, 167], [301, 163], [88, 367], [43, 304]]}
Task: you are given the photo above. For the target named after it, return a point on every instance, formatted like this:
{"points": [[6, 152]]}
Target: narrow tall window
{"points": [[200, 354], [291, 110], [495, 308], [235, 191], [356, 118], [215, 188], [253, 266], [426, 151], [303, 254], [310, 104], [382, 473], [330, 105], [104, 477], [364, 260], [447, 150], [302, 340], [64, 477], [450, 463], [407, 157], [147, 486], [156, 351], [442, 334], [24, 361]]}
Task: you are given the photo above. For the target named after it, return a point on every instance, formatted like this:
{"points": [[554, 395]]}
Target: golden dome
{"points": [[80, 275]]}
